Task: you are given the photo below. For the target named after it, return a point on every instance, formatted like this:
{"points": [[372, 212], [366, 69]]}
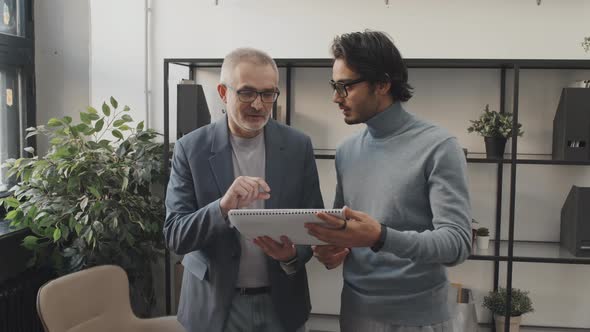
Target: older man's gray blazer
{"points": [[201, 173]]}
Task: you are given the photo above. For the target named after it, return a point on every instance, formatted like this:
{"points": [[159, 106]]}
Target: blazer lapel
{"points": [[275, 164], [221, 160]]}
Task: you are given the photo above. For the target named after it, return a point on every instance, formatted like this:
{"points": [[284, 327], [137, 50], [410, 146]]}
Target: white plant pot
{"points": [[514, 323], [483, 242]]}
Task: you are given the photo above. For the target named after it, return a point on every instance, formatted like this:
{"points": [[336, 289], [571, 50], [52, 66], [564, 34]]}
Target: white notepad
{"points": [[274, 223]]}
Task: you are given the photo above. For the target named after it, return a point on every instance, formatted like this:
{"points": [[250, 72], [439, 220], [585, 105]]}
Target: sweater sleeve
{"points": [[339, 197], [449, 242]]}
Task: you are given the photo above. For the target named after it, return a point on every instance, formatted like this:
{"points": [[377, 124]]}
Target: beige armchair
{"points": [[93, 300]]}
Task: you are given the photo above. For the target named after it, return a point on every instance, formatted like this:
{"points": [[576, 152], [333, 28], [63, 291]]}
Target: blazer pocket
{"points": [[196, 264]]}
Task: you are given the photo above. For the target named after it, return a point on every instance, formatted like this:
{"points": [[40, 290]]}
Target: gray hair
{"points": [[245, 54]]}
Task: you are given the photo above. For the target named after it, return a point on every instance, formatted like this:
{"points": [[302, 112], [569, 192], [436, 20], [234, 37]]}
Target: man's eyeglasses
{"points": [[340, 87], [249, 95]]}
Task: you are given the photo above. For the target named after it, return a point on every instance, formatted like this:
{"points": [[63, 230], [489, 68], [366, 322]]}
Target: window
{"points": [[10, 121], [11, 17], [17, 95]]}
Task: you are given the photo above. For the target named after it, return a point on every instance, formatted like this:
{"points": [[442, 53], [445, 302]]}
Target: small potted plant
{"points": [[496, 128], [482, 238], [520, 305], [474, 228]]}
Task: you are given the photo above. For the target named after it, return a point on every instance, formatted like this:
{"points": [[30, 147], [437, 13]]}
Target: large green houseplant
{"points": [[90, 200], [521, 304], [496, 128]]}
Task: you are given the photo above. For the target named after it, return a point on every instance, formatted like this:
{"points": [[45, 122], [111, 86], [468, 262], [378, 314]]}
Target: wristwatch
{"points": [[290, 266], [381, 241], [291, 261]]}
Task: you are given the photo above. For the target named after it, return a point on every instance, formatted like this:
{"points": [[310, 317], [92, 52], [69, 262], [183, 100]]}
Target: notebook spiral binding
{"points": [[247, 212]]}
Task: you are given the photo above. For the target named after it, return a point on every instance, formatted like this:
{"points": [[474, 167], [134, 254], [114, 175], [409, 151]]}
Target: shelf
{"points": [[411, 63], [324, 153], [479, 158], [528, 251], [552, 162], [528, 328]]}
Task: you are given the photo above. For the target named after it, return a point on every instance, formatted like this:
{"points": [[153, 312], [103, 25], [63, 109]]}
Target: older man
{"points": [[244, 160]]}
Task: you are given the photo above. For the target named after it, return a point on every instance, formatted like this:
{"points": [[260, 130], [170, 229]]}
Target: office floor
{"points": [[323, 323], [329, 323]]}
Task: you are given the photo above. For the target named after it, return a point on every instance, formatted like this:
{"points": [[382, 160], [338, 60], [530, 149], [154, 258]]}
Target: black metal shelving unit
{"points": [[508, 251]]}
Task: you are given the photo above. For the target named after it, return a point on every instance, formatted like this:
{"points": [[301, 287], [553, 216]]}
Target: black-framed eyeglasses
{"points": [[250, 95], [340, 87]]}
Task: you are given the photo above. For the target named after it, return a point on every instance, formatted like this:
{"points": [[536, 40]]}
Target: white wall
{"points": [[62, 49], [118, 54], [421, 29]]}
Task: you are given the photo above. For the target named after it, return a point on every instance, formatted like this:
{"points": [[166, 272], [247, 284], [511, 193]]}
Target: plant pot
{"points": [[483, 242], [514, 323], [495, 147]]}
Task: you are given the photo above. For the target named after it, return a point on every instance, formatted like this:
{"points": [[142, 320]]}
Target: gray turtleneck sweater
{"points": [[411, 176]]}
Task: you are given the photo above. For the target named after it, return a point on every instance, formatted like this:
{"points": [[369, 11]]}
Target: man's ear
{"points": [[383, 88], [222, 90]]}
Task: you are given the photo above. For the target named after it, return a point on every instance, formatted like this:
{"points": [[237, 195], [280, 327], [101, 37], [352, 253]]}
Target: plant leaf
{"points": [[84, 203], [114, 102], [11, 201], [53, 122], [78, 228], [117, 134], [94, 191], [30, 242], [56, 235], [85, 117], [98, 125], [56, 141], [106, 110], [11, 215]]}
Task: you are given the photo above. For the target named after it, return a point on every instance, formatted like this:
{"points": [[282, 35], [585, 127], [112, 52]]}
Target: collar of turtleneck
{"points": [[389, 122]]}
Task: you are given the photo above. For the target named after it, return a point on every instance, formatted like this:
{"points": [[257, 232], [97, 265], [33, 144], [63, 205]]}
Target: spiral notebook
{"points": [[274, 223]]}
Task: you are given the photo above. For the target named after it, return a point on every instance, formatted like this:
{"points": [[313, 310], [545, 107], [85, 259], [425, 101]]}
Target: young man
{"points": [[244, 160], [408, 178]]}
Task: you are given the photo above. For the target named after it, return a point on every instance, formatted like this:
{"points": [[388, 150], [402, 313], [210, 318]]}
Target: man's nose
{"points": [[336, 97], [257, 103]]}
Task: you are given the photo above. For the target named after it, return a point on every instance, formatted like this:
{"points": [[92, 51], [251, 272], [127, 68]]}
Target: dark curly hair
{"points": [[373, 55]]}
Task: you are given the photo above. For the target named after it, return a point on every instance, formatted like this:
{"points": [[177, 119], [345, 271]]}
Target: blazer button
{"points": [[234, 255]]}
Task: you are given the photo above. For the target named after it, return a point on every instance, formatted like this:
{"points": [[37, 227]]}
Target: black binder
{"points": [[571, 125], [575, 222], [192, 109]]}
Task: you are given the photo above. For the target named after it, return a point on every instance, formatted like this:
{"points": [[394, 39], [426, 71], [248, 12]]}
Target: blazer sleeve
{"points": [[187, 227], [312, 197]]}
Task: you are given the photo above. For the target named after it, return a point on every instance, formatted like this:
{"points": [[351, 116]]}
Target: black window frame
{"points": [[19, 52]]}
